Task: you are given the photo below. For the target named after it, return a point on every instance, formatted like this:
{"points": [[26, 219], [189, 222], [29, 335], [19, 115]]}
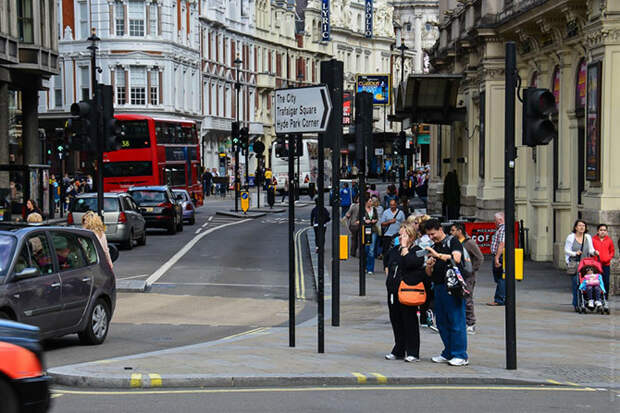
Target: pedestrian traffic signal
{"points": [[234, 135], [83, 133], [281, 148], [538, 129], [112, 132]]}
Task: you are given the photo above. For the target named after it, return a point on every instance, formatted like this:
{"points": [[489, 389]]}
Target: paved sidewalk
{"points": [[555, 345]]}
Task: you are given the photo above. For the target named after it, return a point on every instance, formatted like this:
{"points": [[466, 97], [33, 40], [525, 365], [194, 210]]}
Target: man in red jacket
{"points": [[605, 247]]}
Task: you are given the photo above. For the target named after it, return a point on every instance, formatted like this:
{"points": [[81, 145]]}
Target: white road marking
{"points": [[211, 217], [198, 230], [176, 257], [133, 276], [206, 223]]}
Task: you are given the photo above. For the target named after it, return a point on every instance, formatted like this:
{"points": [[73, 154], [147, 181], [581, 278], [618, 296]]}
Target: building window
{"points": [[24, 21], [154, 91], [136, 18], [121, 87], [153, 19], [138, 85], [85, 82], [57, 91], [84, 29], [408, 26], [119, 19]]}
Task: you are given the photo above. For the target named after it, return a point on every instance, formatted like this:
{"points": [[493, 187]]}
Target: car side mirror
{"points": [[28, 272], [113, 252], [179, 197]]}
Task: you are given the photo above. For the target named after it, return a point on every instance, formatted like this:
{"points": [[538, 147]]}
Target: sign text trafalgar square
{"points": [[302, 110]]}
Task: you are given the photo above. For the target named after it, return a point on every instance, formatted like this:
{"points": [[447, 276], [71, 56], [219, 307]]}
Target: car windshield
{"points": [[7, 245], [184, 195], [90, 204], [148, 196]]}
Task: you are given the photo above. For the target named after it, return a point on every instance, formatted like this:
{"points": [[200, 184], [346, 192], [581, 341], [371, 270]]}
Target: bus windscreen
{"points": [[133, 168]]}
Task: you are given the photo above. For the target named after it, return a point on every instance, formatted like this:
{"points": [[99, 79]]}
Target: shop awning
{"points": [[429, 99]]}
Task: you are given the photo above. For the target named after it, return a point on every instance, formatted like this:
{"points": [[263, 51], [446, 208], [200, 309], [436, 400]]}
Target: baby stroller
{"points": [[581, 296]]}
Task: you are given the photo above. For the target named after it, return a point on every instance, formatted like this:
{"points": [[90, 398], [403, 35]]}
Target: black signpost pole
{"points": [[291, 244], [363, 117], [321, 242]]}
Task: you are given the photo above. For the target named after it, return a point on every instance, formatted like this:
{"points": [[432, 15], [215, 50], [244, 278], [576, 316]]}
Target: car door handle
{"points": [[86, 279], [55, 285]]}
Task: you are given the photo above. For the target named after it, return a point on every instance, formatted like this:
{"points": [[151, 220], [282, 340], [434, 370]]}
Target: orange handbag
{"points": [[411, 295]]}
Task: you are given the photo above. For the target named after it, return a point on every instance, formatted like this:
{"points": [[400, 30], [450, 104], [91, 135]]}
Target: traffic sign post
{"points": [[298, 111], [302, 110]]}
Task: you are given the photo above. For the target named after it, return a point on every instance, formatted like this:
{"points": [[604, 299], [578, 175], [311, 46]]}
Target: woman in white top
{"points": [[93, 222], [578, 245]]}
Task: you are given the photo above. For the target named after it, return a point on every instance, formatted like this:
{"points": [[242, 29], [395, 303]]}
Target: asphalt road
{"points": [[461, 399], [232, 280]]}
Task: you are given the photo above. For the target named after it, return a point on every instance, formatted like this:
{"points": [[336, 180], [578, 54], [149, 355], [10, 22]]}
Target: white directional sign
{"points": [[302, 110]]}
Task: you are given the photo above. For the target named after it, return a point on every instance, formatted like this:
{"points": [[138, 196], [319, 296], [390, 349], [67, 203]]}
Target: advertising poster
{"points": [[347, 107], [593, 123], [325, 25], [482, 233], [581, 85], [378, 85]]}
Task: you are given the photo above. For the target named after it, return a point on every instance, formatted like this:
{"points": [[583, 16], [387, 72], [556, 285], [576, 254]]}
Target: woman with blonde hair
{"points": [[92, 221], [403, 263]]}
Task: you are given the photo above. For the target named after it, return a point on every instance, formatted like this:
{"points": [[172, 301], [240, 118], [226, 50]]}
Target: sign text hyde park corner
{"points": [[302, 110]]}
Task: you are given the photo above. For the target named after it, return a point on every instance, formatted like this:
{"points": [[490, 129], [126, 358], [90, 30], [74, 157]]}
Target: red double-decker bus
{"points": [[155, 151]]}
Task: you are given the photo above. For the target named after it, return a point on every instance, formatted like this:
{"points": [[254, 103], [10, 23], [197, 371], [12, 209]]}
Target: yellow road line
{"points": [[381, 379], [245, 333], [56, 395], [136, 380], [335, 388], [554, 382], [155, 380], [361, 379], [570, 383]]}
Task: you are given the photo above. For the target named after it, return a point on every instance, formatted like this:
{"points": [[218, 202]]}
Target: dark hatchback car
{"points": [[159, 207], [24, 386], [58, 279]]}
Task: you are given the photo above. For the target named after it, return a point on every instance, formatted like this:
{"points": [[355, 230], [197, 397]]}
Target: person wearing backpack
{"points": [[449, 306], [472, 259]]}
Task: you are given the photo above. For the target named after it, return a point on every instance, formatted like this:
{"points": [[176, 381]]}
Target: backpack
{"points": [[467, 268]]}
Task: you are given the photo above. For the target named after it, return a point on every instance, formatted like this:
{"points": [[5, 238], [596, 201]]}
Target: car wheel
{"points": [[172, 228], [192, 220], [8, 397], [128, 244], [142, 240], [4, 316], [180, 226], [98, 324]]}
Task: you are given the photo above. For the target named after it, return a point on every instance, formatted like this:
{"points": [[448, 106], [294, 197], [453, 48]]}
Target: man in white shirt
{"points": [[390, 224]]}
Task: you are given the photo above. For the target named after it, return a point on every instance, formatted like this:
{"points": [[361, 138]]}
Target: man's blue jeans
{"points": [[500, 289], [450, 315], [370, 254]]}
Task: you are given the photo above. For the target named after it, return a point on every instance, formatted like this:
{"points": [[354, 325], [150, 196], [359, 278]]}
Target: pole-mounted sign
{"points": [[368, 13], [325, 24], [302, 110], [245, 201]]}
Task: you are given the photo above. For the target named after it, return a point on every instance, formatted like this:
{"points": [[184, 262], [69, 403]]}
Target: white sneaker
{"points": [[598, 304], [458, 362], [410, 359], [590, 303], [471, 330], [440, 359], [390, 356]]}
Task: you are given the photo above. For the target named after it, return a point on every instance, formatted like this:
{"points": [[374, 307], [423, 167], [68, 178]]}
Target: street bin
{"points": [[518, 264]]}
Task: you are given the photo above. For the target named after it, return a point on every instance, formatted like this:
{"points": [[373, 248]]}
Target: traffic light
{"points": [[538, 104], [281, 148], [244, 137], [234, 135], [112, 132], [83, 134]]}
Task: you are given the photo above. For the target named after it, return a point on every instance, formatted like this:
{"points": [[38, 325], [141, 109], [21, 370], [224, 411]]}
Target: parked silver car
{"points": [[123, 221], [189, 209], [58, 279]]}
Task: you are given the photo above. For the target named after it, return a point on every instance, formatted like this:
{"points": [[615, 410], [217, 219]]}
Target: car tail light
{"points": [[189, 207], [70, 219], [122, 218], [165, 205]]}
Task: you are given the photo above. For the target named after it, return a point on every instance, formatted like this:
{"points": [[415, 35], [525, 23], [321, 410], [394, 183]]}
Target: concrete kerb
{"points": [[147, 381], [249, 214]]}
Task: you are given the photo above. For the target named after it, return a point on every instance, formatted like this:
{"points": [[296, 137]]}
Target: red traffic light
{"points": [[538, 129]]}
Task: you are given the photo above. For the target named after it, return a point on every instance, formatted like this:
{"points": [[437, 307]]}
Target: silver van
{"points": [[123, 221]]}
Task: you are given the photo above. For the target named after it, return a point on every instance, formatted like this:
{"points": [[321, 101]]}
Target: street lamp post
{"points": [[298, 146], [237, 64], [402, 47], [97, 100]]}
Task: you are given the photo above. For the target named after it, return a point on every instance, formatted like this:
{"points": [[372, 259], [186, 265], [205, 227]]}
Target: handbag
{"points": [[411, 295], [573, 262]]}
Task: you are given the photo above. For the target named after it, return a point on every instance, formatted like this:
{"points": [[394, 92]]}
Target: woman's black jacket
{"points": [[409, 268]]}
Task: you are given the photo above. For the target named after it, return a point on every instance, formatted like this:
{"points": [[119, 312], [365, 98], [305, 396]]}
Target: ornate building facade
{"points": [[567, 46]]}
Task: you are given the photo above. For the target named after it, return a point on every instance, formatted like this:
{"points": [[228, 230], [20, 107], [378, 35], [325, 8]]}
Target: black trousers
{"points": [[406, 329]]}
